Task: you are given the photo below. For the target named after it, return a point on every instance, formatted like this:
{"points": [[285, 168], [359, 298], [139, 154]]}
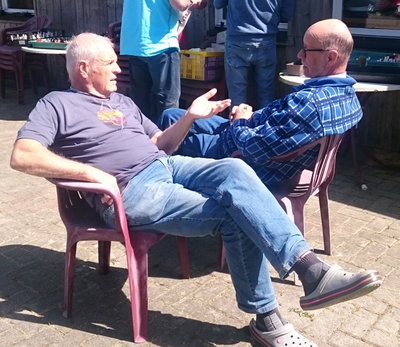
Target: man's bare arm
{"points": [[32, 157]]}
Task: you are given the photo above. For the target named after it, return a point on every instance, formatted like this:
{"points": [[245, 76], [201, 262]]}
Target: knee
{"points": [[169, 117], [238, 167]]}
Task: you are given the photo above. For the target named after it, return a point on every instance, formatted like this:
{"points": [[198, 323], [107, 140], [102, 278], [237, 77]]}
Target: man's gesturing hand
{"points": [[203, 107]]}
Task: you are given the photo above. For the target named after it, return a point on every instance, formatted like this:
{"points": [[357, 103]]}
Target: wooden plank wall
{"points": [[76, 16]]}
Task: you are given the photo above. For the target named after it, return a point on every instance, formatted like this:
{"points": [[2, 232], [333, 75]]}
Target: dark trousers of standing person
{"points": [[242, 59], [155, 82]]}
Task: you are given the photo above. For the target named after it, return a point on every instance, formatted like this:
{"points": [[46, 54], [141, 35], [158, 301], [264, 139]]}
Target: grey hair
{"points": [[342, 43], [85, 46]]}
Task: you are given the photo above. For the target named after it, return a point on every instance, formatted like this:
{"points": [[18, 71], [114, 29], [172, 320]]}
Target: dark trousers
{"points": [[156, 84]]}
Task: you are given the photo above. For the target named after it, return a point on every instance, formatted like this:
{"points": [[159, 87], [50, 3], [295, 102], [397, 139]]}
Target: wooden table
{"points": [[364, 91]]}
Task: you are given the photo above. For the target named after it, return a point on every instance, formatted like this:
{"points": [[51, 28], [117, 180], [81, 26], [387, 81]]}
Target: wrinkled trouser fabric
{"points": [[195, 197]]}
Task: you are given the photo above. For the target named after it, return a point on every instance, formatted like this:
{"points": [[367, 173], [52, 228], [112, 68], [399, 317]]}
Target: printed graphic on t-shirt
{"points": [[114, 117]]}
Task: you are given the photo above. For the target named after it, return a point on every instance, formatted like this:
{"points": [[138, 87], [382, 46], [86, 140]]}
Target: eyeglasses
{"points": [[305, 50]]}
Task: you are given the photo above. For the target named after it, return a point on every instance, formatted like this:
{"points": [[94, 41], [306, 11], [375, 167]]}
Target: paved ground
{"points": [[196, 312]]}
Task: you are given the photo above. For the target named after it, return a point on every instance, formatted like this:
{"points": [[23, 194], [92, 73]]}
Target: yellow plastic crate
{"points": [[203, 66]]}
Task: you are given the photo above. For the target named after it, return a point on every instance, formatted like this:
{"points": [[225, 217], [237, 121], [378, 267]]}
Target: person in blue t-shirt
{"points": [[250, 47], [149, 36], [91, 133]]}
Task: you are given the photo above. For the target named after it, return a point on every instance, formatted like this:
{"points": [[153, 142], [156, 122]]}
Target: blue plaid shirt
{"points": [[319, 107]]}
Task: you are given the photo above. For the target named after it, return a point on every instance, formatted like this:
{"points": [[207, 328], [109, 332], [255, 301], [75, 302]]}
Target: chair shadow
{"points": [[202, 257], [31, 290]]}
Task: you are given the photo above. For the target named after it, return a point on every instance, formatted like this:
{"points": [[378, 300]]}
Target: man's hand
{"points": [[107, 180], [200, 4], [203, 107], [243, 111], [183, 5]]}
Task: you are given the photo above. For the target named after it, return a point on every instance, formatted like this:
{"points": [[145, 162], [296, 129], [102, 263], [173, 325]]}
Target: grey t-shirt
{"points": [[110, 134]]}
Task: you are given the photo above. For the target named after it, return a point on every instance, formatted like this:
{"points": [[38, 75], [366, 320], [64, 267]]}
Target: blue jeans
{"points": [[196, 197], [241, 58], [155, 82], [203, 138]]}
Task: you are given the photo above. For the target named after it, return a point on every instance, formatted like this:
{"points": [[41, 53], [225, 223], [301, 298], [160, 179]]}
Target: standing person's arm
{"points": [[202, 107]]}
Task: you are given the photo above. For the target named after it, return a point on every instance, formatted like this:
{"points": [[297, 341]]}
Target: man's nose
{"points": [[117, 69]]}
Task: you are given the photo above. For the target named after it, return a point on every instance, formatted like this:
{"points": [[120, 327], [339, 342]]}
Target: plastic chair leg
{"points": [[183, 249], [2, 83], [324, 208], [137, 272], [104, 256], [19, 79], [70, 256]]}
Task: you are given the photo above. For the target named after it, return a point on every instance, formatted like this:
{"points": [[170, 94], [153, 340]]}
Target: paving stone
{"points": [[340, 339], [382, 338]]}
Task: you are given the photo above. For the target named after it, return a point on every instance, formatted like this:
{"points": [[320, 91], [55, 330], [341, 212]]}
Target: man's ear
{"points": [[83, 67], [333, 56]]}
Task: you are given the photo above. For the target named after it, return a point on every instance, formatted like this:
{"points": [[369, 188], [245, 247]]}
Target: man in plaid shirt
{"points": [[325, 104]]}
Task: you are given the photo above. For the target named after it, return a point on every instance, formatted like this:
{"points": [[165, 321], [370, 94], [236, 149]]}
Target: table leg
{"points": [[357, 168]]}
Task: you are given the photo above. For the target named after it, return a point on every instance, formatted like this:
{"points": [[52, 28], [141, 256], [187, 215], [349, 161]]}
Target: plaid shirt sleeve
{"points": [[284, 125]]}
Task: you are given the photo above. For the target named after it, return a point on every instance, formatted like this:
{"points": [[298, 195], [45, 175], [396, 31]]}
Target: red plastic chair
{"points": [[12, 58], [82, 223], [294, 193]]}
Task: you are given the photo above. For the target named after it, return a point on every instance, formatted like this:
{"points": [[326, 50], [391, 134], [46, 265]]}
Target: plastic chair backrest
{"points": [[321, 172]]}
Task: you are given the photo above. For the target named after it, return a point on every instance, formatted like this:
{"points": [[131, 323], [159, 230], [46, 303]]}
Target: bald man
{"points": [[324, 105]]}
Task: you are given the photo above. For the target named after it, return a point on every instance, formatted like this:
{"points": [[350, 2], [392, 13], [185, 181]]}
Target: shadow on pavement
{"points": [[31, 290]]}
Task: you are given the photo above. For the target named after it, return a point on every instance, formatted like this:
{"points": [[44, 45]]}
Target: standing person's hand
{"points": [[182, 5], [199, 5], [243, 111], [203, 107]]}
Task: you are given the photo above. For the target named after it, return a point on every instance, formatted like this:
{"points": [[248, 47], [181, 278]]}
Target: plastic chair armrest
{"points": [[97, 188]]}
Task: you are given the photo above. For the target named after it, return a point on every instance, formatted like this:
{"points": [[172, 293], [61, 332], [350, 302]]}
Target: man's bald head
{"points": [[333, 34]]}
